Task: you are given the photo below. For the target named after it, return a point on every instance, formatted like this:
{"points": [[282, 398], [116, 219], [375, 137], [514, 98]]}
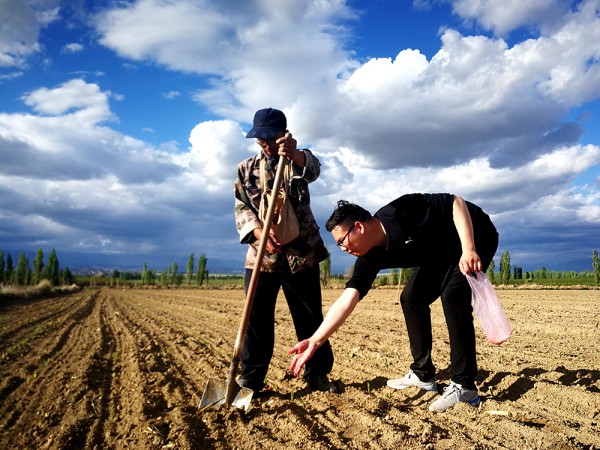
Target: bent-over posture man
{"points": [[444, 238]]}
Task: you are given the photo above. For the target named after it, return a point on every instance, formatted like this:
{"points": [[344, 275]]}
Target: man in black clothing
{"points": [[444, 238]]}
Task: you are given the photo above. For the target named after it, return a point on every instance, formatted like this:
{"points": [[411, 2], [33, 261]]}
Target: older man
{"points": [[293, 266]]}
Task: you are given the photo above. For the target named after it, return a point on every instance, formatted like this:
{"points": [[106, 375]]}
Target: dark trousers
{"points": [[422, 289], [303, 295]]}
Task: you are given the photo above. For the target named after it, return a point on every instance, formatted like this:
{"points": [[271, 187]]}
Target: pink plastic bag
{"points": [[487, 309]]}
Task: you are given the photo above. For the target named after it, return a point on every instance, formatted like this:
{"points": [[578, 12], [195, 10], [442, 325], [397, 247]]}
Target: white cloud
{"points": [[217, 148], [21, 23], [67, 141], [179, 35], [575, 76], [11, 75], [171, 95], [476, 97], [240, 43], [504, 16], [513, 101], [95, 190], [73, 48], [74, 95], [496, 188]]}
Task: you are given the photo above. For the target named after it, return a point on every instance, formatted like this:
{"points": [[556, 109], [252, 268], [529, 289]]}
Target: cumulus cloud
{"points": [[217, 147], [477, 96], [94, 189], [231, 41], [71, 95], [503, 17], [21, 24], [67, 140], [132, 31]]}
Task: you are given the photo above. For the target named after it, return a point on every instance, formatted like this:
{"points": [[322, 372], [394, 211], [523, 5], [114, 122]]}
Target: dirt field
{"points": [[116, 369]]}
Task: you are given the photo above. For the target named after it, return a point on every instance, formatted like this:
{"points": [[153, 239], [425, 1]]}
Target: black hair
{"points": [[346, 212]]}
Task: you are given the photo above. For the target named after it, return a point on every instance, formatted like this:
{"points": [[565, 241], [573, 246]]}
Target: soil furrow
{"points": [[16, 324]]}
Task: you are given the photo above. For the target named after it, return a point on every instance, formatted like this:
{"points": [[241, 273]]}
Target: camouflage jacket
{"points": [[308, 248]]}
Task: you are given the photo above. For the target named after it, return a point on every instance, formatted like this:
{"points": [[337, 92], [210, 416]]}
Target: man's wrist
{"points": [[299, 158]]}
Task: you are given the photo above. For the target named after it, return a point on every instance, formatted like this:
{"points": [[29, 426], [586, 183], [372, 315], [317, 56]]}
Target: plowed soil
{"points": [[125, 369]]}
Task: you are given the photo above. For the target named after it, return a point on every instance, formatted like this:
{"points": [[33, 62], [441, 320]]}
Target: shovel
{"points": [[218, 392]]}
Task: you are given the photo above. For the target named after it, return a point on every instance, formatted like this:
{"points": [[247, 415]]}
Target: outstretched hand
{"points": [[303, 351]]}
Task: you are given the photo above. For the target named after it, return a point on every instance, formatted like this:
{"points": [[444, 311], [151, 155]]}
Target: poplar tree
{"points": [[165, 277], [151, 276], [190, 269], [201, 272], [505, 267], [490, 271], [596, 266], [405, 274], [9, 269], [114, 277], [38, 266], [145, 275], [325, 271], [51, 271], [174, 274], [67, 277], [22, 269]]}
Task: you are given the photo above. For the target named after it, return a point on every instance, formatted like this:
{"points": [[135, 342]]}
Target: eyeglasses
{"points": [[340, 243]]}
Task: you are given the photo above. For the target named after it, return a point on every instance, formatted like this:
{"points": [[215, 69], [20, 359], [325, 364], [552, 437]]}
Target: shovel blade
{"points": [[216, 391]]}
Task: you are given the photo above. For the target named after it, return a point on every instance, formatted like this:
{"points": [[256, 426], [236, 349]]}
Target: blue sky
{"points": [[122, 122]]}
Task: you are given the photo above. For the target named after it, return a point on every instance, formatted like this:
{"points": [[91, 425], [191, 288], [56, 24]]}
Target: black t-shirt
{"points": [[421, 231]]}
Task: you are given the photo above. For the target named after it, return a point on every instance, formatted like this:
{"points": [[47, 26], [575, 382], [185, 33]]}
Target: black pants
{"points": [[422, 289], [303, 294]]}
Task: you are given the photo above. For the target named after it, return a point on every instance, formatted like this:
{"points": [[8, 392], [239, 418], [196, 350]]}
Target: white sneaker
{"points": [[412, 380], [452, 395]]}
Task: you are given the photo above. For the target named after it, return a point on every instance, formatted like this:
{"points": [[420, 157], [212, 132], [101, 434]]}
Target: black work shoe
{"points": [[245, 382], [322, 383]]}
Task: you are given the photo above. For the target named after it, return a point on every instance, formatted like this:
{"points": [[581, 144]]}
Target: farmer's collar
{"points": [[272, 160]]}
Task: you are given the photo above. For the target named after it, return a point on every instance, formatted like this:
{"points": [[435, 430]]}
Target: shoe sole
{"points": [[476, 401], [391, 384]]}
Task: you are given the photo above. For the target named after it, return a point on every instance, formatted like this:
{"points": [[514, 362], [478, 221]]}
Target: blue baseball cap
{"points": [[267, 124]]}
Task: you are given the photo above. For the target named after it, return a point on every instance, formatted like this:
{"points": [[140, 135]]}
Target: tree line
{"points": [[171, 276], [543, 275], [24, 275], [506, 274]]}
